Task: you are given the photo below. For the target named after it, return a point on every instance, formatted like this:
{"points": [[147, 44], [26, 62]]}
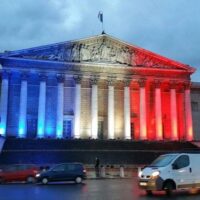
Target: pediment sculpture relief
{"points": [[83, 52]]}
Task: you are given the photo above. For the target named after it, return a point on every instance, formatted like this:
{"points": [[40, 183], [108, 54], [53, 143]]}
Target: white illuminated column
{"points": [[77, 107], [174, 126], [111, 127], [60, 106], [188, 114], [41, 107], [143, 120], [158, 112], [127, 111], [4, 103], [22, 129], [94, 109]]}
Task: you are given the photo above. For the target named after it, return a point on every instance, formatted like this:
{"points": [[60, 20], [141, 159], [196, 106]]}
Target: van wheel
{"points": [[45, 181], [149, 192], [78, 180], [168, 187], [30, 179]]}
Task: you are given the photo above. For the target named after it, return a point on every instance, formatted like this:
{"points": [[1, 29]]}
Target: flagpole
{"points": [[100, 16]]}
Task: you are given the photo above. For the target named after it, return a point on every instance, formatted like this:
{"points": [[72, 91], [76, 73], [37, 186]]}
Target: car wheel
{"points": [[149, 192], [168, 188], [78, 180], [45, 181], [30, 179]]}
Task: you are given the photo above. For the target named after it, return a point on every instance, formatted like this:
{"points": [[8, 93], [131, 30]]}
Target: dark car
{"points": [[18, 172], [63, 172]]}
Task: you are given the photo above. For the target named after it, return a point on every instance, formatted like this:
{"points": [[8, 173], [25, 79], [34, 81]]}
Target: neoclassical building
{"points": [[99, 87]]}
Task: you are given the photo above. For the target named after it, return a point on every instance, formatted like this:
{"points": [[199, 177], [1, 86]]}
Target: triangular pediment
{"points": [[99, 49]]}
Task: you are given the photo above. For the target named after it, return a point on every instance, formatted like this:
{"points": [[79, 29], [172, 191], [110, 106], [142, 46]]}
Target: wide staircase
{"points": [[52, 151]]}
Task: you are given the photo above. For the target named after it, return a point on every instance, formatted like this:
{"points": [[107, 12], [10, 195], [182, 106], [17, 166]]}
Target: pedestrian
{"points": [[97, 165]]}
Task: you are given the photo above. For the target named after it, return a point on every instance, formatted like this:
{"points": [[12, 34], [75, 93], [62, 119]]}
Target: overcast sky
{"points": [[167, 27]]}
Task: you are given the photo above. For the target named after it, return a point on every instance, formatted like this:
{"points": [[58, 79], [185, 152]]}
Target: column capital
{"points": [[42, 77], [60, 78], [127, 82], [111, 80], [77, 79], [24, 76], [142, 82], [172, 84], [157, 83], [187, 85], [94, 79], [5, 74]]}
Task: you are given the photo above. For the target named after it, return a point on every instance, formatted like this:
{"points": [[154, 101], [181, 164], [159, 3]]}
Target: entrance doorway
{"points": [[100, 130]]}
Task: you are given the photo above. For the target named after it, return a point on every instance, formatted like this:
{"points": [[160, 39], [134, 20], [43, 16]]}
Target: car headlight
{"points": [[156, 173], [140, 174], [37, 175]]}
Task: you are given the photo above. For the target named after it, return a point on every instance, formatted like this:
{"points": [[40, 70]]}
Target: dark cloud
{"points": [[167, 27]]}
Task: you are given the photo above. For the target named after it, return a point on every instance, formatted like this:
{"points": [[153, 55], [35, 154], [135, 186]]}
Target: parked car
{"points": [[63, 172], [171, 172], [18, 172]]}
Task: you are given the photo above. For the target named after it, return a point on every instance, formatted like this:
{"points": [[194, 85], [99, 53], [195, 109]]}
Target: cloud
{"points": [[170, 28]]}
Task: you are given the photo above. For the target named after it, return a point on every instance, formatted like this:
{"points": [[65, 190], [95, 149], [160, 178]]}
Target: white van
{"points": [[171, 172]]}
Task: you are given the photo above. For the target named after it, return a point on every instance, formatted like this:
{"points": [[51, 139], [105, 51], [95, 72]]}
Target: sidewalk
{"points": [[111, 172]]}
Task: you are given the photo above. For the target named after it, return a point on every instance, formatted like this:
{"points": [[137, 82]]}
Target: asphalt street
{"points": [[107, 189]]}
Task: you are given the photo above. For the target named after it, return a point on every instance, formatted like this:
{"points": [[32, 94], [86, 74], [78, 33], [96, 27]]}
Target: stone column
{"points": [[188, 113], [127, 111], [60, 106], [158, 111], [4, 103], [94, 108], [111, 111], [143, 120], [173, 108], [41, 107], [22, 130], [77, 107]]}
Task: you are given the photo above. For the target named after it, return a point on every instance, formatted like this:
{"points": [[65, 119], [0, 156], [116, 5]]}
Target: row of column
{"points": [[22, 127], [94, 109], [158, 112]]}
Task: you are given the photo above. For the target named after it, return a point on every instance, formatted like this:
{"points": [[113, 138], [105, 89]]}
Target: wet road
{"points": [[115, 189]]}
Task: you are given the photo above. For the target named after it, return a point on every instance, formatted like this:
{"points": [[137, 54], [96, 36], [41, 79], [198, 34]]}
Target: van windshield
{"points": [[162, 161]]}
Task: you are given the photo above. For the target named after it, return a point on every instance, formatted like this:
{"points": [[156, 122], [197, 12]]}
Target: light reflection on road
{"points": [[115, 189]]}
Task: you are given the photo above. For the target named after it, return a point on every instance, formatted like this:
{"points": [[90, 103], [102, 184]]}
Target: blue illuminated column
{"points": [[41, 107], [23, 107], [77, 107], [4, 103], [127, 112], [94, 108], [111, 126], [60, 106]]}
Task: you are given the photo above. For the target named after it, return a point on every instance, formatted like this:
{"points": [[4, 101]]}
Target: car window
{"points": [[59, 168], [181, 162]]}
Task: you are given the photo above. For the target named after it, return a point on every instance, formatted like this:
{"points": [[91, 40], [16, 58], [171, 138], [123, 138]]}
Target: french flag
{"points": [[100, 16]]}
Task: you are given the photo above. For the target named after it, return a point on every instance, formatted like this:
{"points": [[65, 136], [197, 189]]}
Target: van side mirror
{"points": [[174, 166]]}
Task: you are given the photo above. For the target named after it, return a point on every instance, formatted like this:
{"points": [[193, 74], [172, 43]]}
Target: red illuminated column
{"points": [[127, 111], [143, 120], [158, 111], [188, 114], [173, 108]]}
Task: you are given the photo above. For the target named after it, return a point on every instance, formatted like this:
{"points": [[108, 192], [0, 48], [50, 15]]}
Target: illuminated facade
{"points": [[99, 87]]}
